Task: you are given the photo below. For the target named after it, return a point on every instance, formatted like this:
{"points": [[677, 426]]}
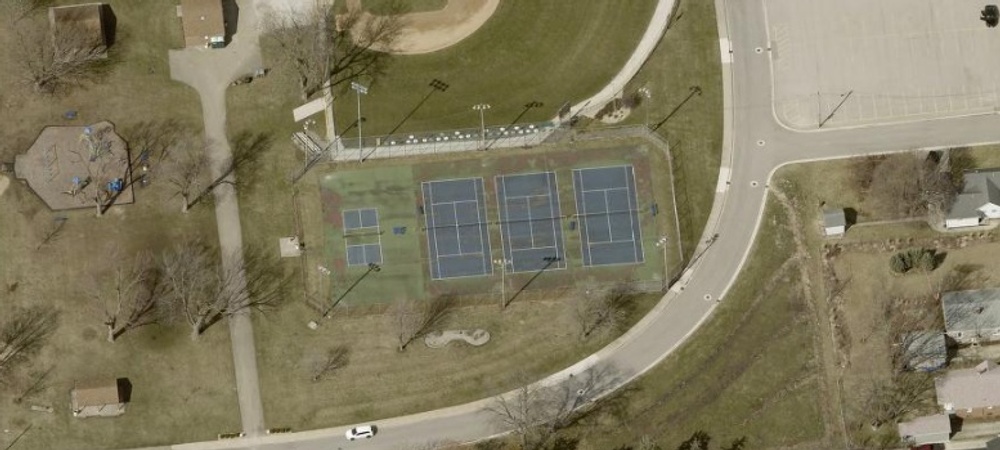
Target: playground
{"points": [[514, 224]]}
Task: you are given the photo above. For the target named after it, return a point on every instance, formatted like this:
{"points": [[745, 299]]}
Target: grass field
{"points": [[393, 187], [412, 6], [750, 371], [687, 56], [529, 51], [181, 390]]}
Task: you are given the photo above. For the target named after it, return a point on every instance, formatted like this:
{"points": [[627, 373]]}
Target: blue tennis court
{"points": [[609, 215], [362, 236], [530, 222], [457, 235]]}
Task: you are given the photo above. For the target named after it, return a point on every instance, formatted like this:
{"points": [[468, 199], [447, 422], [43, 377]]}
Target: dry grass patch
{"points": [[530, 339]]}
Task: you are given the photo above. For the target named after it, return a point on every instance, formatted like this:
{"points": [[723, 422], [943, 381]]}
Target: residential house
{"points": [[101, 398], [979, 200], [203, 22], [834, 222], [926, 430], [970, 393], [972, 317]]}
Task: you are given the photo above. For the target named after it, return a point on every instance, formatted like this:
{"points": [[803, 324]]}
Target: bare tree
{"points": [[134, 298], [187, 173], [909, 185], [331, 361], [50, 59], [412, 319], [24, 333], [51, 232], [326, 49], [886, 400], [245, 153], [597, 310], [535, 413], [203, 292]]}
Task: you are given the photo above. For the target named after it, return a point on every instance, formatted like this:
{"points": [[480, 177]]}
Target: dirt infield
{"points": [[430, 31]]}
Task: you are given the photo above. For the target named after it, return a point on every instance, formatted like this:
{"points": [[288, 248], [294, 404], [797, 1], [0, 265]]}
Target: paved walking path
{"points": [[654, 31], [210, 72]]}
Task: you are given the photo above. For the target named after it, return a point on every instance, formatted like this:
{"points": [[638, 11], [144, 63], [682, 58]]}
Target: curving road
{"points": [[755, 146]]}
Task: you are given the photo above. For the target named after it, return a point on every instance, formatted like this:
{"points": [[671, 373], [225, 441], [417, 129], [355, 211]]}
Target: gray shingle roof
{"points": [[971, 310], [834, 218], [980, 187]]}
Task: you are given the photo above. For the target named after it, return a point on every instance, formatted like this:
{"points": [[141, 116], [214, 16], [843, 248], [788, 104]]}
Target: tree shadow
{"points": [[109, 24], [124, 390]]}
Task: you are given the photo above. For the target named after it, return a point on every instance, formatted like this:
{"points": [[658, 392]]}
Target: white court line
{"points": [[581, 206], [556, 212], [427, 189], [481, 212], [634, 209]]}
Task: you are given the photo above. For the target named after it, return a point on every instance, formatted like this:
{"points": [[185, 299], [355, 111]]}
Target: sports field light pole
{"points": [[372, 267], [503, 280], [482, 107], [644, 91], [662, 243], [359, 89]]}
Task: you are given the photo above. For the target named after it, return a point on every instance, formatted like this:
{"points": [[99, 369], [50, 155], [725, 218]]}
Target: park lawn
{"points": [[138, 87], [529, 340], [749, 371], [529, 51], [182, 390], [412, 6], [687, 56]]}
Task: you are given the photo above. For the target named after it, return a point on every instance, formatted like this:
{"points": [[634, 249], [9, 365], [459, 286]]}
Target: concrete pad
{"points": [[887, 61]]}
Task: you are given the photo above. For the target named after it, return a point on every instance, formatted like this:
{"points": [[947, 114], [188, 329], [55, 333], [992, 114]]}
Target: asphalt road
{"points": [[755, 146]]}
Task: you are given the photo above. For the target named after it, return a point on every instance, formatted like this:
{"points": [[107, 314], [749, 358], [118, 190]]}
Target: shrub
{"points": [[924, 259]]}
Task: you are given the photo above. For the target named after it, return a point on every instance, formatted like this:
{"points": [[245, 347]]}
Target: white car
{"points": [[366, 431]]}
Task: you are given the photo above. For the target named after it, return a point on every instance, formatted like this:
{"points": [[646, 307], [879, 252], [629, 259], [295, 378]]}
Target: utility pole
{"points": [[482, 107], [662, 243], [372, 267], [359, 89], [503, 280], [644, 91]]}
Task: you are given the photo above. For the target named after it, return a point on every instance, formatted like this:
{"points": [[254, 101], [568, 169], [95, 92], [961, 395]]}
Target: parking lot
{"points": [[887, 61]]}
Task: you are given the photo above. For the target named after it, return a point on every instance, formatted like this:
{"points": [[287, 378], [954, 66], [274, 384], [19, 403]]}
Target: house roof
{"points": [[926, 429], [978, 387], [202, 20], [980, 187], [96, 393], [926, 350], [971, 311], [834, 218]]}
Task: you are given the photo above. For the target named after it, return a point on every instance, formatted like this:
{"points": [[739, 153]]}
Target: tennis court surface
{"points": [[530, 222], [457, 235], [362, 237], [609, 215]]}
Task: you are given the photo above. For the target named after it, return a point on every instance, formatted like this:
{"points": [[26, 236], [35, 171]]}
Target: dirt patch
{"points": [[430, 31], [4, 184]]}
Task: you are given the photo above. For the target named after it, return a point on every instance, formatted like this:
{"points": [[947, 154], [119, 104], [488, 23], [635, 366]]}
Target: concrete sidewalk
{"points": [[210, 72]]}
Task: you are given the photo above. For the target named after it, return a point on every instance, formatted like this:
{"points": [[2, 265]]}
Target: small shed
{"points": [[204, 23], [85, 27], [925, 350], [99, 398], [925, 430], [834, 222]]}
